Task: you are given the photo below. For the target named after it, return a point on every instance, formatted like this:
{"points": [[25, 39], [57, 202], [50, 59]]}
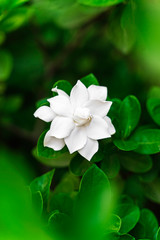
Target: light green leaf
{"points": [[114, 224], [93, 202], [100, 3], [158, 234], [6, 65], [15, 19], [129, 215]]}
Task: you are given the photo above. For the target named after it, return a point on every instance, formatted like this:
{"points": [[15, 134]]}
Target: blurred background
{"points": [[42, 41]]}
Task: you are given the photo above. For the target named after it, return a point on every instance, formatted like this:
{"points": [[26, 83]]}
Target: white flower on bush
{"points": [[78, 120]]}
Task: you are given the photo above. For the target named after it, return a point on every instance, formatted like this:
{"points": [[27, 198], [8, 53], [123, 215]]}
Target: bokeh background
{"points": [[43, 41]]}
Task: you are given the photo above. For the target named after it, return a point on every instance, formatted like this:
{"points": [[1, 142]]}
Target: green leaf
{"points": [[110, 165], [93, 202], [42, 184], [15, 19], [61, 202], [114, 224], [63, 85], [149, 222], [148, 141], [117, 236], [151, 190], [125, 145], [129, 115], [135, 162], [158, 234], [89, 80], [79, 165], [6, 65], [153, 106], [100, 3], [37, 200], [129, 215], [50, 157], [42, 102]]}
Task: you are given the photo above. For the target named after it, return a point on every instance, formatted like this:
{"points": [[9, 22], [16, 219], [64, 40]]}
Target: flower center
{"points": [[82, 116]]}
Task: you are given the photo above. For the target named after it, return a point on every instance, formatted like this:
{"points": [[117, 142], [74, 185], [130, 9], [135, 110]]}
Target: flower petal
{"points": [[61, 127], [98, 129], [97, 92], [52, 142], [45, 113], [61, 105], [60, 92], [89, 149], [77, 139], [79, 95], [96, 107], [111, 128]]}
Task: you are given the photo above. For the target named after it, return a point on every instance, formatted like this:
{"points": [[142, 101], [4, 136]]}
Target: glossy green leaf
{"points": [[114, 224], [93, 202], [6, 65], [135, 162], [129, 215], [100, 3], [125, 145], [117, 236], [42, 102], [50, 157], [42, 184], [148, 141], [149, 222], [89, 80], [63, 85], [153, 106], [129, 115]]}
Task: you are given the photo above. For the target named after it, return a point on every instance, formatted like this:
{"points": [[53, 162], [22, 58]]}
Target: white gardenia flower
{"points": [[78, 120]]}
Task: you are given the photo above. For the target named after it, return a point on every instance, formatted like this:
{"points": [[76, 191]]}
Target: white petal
{"points": [[52, 142], [98, 129], [61, 105], [89, 149], [60, 92], [111, 128], [45, 113], [96, 107], [79, 95], [97, 92], [77, 139], [61, 127]]}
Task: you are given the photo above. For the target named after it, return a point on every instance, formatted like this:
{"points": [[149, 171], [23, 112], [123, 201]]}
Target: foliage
{"points": [[46, 44]]}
